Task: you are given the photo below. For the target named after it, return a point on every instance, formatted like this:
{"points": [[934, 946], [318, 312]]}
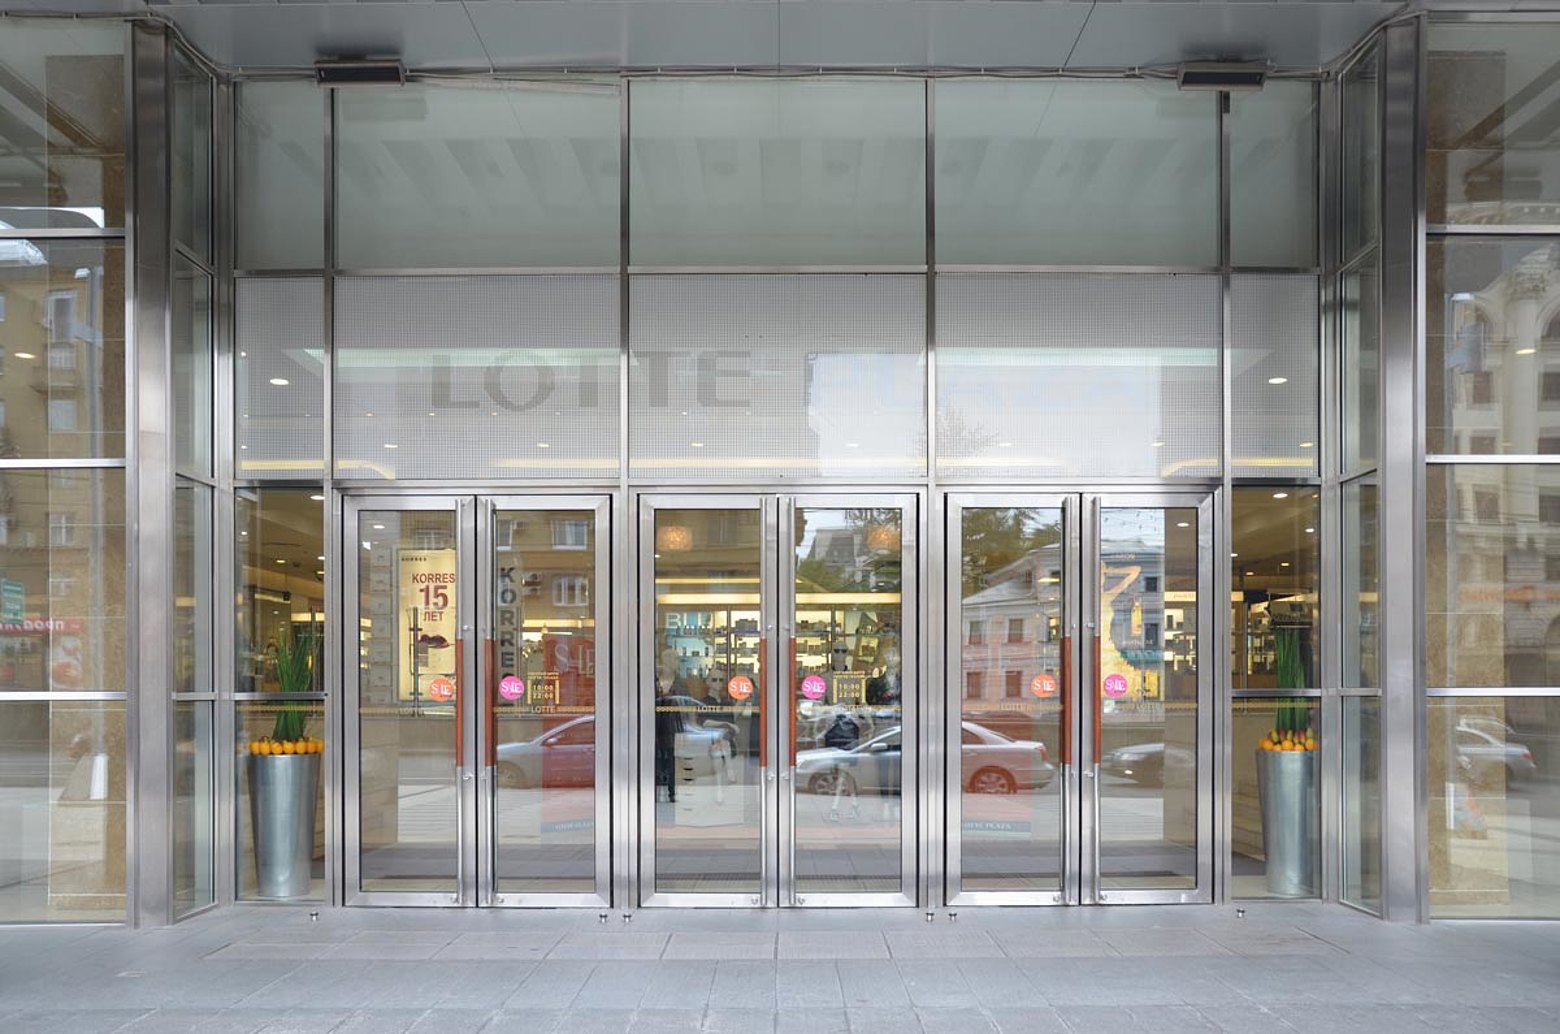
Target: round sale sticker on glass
{"points": [[1043, 685], [441, 689], [511, 687], [1115, 685], [740, 687], [813, 687]]}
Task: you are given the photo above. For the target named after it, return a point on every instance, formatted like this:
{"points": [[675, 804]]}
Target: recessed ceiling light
{"points": [[1280, 495], [1526, 351], [1157, 445], [391, 445], [696, 445], [1004, 445], [321, 557], [379, 527], [243, 355], [24, 355], [1278, 380], [543, 445], [279, 560], [1183, 524], [1283, 563], [1307, 445], [1234, 555], [317, 498], [1250, 574], [280, 382], [368, 414], [1310, 531]]}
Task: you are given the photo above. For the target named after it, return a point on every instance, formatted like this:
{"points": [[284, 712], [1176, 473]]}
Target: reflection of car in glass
{"points": [[565, 756], [1492, 760], [1144, 763], [993, 763]]}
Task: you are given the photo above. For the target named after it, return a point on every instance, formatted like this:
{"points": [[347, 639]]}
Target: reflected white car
{"points": [[992, 763]]}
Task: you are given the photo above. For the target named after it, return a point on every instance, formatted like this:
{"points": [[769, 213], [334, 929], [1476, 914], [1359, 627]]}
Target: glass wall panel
{"points": [[1273, 178], [279, 175], [62, 581], [1361, 375], [1275, 356], [62, 349], [190, 168], [1011, 581], [1275, 575], [193, 429], [279, 377], [478, 175], [479, 376], [1034, 172], [1492, 576], [62, 124], [62, 806], [1101, 376], [1492, 156], [778, 376], [1492, 342], [1275, 814], [1362, 802], [279, 578], [1361, 584], [777, 172], [194, 885], [192, 589], [1361, 155], [1494, 782]]}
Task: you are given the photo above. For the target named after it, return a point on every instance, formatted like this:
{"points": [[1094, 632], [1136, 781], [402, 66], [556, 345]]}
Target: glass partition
{"points": [[1491, 155], [1273, 175], [1362, 816], [478, 376], [777, 376], [62, 134], [1037, 172], [1492, 336], [1361, 585], [1061, 374], [279, 175], [1361, 154], [1275, 376], [489, 174], [279, 377], [777, 172], [1360, 300]]}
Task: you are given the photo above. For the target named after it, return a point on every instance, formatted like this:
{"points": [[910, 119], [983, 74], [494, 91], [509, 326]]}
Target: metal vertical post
{"points": [[151, 486], [1404, 896]]}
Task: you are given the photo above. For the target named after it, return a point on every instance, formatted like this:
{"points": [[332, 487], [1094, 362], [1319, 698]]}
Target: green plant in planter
{"points": [[294, 674], [1291, 718]]}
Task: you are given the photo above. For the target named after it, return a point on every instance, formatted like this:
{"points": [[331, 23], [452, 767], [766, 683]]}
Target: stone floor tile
{"points": [[811, 1021], [524, 1021], [1042, 944], [872, 984], [679, 984], [1031, 1020], [597, 1021], [720, 945], [305, 1021], [743, 985], [194, 1021], [553, 984], [942, 944], [1161, 942], [807, 984], [382, 949], [1000, 983], [882, 1021], [1247, 1018], [840, 944], [738, 1021], [934, 985], [451, 1021], [955, 1021], [666, 1021], [81, 1021], [610, 946]]}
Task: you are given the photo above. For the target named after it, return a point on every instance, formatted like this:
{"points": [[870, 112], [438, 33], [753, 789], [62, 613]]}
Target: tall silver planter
{"points": [[283, 791], [1286, 784]]}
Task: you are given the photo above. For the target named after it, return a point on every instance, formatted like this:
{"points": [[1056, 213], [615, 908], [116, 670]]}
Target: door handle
{"points": [[1068, 690], [1099, 703]]}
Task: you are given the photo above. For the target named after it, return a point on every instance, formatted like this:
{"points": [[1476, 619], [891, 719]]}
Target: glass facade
{"points": [[1139, 326]]}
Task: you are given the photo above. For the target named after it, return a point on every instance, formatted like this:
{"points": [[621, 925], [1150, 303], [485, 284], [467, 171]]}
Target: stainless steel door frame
{"points": [[1089, 682], [642, 706], [599, 506], [953, 561], [785, 716], [466, 797]]}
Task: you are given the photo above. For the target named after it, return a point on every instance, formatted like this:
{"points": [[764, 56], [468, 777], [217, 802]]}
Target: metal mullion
{"points": [[466, 272], [65, 233], [934, 819], [1492, 691], [225, 650], [66, 464], [479, 694], [1453, 459], [1493, 230], [780, 694], [1220, 776], [182, 251], [61, 696], [626, 888], [338, 811]]}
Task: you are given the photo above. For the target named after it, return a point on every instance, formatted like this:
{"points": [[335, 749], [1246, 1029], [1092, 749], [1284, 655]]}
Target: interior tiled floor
{"points": [[1282, 967]]}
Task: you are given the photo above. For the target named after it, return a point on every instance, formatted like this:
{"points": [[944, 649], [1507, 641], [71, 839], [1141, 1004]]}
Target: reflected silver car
{"points": [[992, 763]]}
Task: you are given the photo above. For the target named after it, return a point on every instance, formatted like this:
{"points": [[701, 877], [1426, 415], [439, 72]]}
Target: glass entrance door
{"points": [[777, 700], [476, 648], [1079, 764]]}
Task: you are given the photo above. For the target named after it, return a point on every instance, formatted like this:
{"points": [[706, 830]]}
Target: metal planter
{"points": [[283, 795], [1286, 785]]}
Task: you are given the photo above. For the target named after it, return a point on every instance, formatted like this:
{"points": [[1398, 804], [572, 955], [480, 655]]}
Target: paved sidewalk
{"points": [[381, 971]]}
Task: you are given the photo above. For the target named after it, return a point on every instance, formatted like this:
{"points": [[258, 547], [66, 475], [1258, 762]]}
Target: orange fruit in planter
{"points": [[254, 746], [287, 747]]}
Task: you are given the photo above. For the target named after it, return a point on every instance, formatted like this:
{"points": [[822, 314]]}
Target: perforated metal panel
{"points": [[777, 376], [476, 376], [1275, 356], [1076, 374], [279, 330]]}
